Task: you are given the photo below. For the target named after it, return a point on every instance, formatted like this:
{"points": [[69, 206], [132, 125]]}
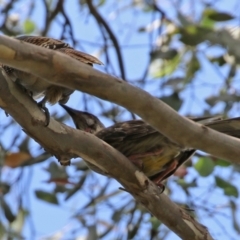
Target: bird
{"points": [[35, 86], [152, 152]]}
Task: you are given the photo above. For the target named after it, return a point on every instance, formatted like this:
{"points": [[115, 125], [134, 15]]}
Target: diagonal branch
{"points": [[62, 70], [65, 142]]}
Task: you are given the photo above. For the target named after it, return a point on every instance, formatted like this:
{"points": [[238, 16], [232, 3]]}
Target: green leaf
{"points": [[185, 184], [219, 60], [207, 23], [101, 3], [193, 67], [18, 223], [4, 188], [229, 189], [234, 210], [117, 215], [222, 163], [204, 166], [2, 231], [161, 54], [46, 196], [194, 35], [212, 14], [7, 211], [155, 223], [160, 68], [173, 100], [28, 26]]}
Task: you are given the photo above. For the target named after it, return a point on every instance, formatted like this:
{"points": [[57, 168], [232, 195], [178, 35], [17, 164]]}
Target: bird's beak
{"points": [[72, 112]]}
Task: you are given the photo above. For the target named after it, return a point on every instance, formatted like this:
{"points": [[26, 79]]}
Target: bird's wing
{"points": [[134, 137], [46, 42], [60, 46], [80, 56], [126, 130], [136, 129]]}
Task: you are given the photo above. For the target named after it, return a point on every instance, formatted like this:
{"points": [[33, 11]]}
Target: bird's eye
{"points": [[90, 122]]}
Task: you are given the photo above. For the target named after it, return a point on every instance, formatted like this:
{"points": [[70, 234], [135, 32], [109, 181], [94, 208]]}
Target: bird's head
{"points": [[84, 121]]}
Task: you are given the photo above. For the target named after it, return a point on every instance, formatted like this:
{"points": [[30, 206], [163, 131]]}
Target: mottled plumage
{"points": [[40, 88], [156, 155]]}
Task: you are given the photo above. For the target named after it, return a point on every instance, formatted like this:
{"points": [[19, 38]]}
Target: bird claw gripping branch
{"points": [[39, 87]]}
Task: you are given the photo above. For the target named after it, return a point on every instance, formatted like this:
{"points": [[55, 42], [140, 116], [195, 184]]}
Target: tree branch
{"points": [[62, 70], [65, 142]]}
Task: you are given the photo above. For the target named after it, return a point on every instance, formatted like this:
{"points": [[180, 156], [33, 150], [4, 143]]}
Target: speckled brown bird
{"points": [[153, 153], [36, 86]]}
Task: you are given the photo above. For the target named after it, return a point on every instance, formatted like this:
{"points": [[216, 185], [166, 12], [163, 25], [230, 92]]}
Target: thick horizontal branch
{"points": [[63, 70], [65, 142]]}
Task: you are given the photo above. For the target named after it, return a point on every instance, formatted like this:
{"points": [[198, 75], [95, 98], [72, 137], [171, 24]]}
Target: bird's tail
{"points": [[228, 126]]}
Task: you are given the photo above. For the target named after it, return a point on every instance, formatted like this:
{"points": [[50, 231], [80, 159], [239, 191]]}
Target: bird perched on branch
{"points": [[38, 87], [153, 153]]}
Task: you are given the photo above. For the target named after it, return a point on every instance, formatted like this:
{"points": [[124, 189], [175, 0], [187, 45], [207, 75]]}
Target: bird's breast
{"points": [[157, 163]]}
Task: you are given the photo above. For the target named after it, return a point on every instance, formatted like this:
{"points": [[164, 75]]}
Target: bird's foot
{"points": [[158, 178], [161, 186], [41, 105]]}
